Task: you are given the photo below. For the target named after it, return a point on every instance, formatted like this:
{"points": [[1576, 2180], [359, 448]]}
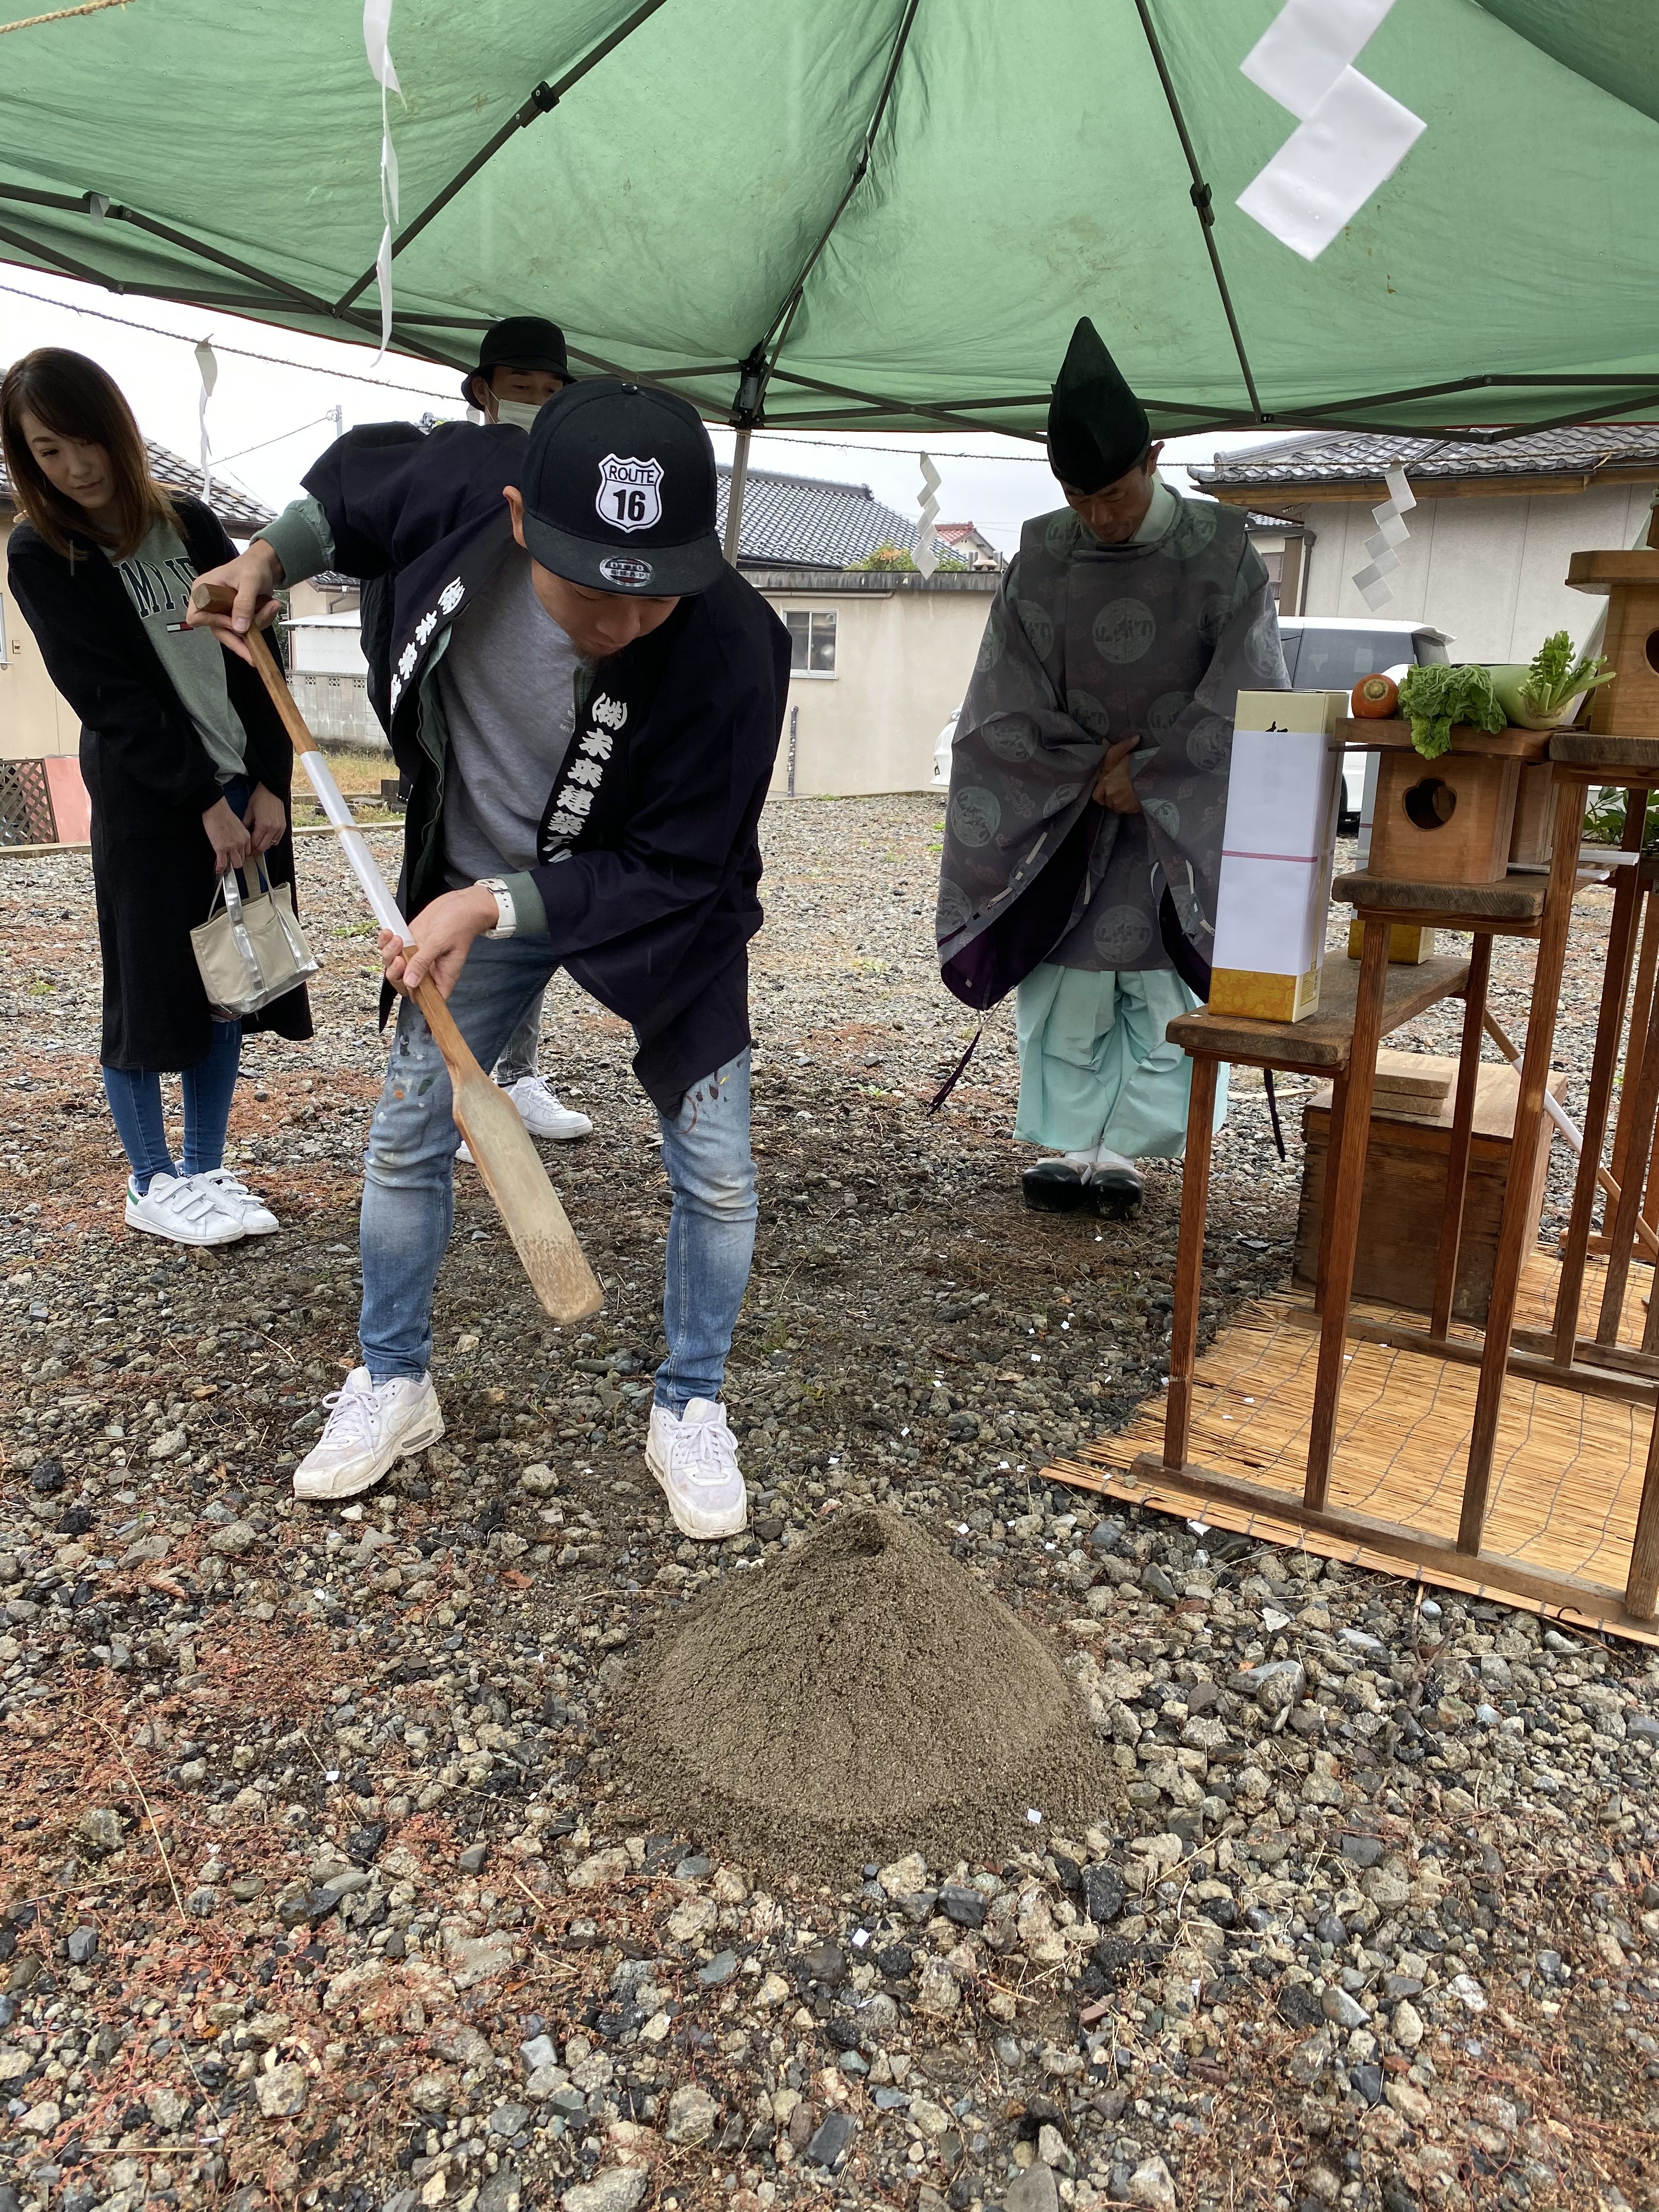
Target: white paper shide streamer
{"points": [[927, 543], [1371, 582], [377, 34], [208, 366], [1352, 135]]}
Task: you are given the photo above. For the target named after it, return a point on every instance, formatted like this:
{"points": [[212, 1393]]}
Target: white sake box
{"points": [[1277, 851]]}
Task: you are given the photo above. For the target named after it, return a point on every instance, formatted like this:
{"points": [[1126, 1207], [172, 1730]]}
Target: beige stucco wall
{"points": [[903, 662], [1490, 571], [35, 720]]}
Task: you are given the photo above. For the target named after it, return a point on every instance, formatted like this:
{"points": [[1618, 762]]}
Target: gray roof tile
{"points": [[1361, 456], [241, 512], [804, 522]]}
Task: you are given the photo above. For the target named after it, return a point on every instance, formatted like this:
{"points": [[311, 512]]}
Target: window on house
{"points": [[811, 641]]}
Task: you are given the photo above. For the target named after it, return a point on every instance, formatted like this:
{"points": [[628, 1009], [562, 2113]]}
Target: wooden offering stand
{"points": [[1403, 883], [1449, 820]]}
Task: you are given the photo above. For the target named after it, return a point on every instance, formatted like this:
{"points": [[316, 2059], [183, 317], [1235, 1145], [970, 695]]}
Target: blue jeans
{"points": [[520, 1054], [408, 1206], [135, 1101]]}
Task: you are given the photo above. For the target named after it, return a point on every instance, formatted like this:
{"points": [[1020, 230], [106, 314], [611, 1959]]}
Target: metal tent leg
{"points": [[734, 492]]}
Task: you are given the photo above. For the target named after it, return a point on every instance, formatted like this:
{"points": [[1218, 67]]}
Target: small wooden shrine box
{"points": [[1630, 581], [1404, 1198], [1449, 820]]}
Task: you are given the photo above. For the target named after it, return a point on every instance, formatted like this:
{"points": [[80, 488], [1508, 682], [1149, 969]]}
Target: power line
{"points": [[310, 423], [386, 384], [243, 353], [900, 453]]}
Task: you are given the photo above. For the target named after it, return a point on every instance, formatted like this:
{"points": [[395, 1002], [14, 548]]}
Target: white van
{"points": [[1331, 652]]}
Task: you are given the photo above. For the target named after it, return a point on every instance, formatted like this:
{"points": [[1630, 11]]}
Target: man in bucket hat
{"points": [[522, 364], [628, 855]]}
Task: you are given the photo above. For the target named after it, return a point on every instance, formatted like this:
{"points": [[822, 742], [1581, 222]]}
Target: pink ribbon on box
{"points": [[1309, 860]]}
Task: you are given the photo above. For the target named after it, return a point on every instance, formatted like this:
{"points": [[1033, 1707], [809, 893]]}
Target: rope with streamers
{"points": [[377, 34], [927, 543], [1350, 136], [1371, 582], [208, 366], [61, 14]]}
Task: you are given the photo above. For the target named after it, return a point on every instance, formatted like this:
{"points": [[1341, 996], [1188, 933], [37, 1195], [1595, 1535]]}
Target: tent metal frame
{"points": [[421, 335], [1619, 394]]}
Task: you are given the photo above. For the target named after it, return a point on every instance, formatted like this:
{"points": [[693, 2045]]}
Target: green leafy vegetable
{"points": [[1433, 698], [1558, 672]]}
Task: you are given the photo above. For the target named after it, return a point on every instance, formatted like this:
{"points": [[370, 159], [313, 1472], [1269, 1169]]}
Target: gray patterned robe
{"points": [[1088, 644]]}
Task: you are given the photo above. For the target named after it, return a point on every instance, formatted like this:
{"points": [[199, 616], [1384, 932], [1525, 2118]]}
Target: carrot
{"points": [[1375, 697]]}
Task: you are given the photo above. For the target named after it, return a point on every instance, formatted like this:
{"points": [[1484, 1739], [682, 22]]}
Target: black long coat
{"points": [[150, 781]]}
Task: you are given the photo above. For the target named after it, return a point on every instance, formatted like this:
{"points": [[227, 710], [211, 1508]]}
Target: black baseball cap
{"points": [[619, 491], [521, 342]]}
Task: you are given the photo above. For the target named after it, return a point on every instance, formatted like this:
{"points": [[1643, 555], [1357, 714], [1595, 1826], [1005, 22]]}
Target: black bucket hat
{"points": [[521, 342], [619, 491]]}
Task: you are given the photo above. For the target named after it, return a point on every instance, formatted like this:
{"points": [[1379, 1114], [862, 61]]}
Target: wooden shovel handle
{"points": [[219, 600]]}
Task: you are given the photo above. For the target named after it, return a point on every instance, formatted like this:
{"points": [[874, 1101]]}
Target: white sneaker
{"points": [[695, 1458], [238, 1200], [542, 1113], [176, 1208], [371, 1426]]}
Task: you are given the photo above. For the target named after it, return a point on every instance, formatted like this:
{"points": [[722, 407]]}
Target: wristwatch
{"points": [[507, 915]]}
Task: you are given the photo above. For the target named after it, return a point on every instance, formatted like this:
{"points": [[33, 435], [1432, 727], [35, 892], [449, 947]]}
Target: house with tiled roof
{"points": [[879, 658], [36, 722], [975, 549], [1489, 539]]}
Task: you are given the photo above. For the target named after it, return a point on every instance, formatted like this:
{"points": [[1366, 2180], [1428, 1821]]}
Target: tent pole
{"points": [[1201, 197], [735, 491], [745, 413]]}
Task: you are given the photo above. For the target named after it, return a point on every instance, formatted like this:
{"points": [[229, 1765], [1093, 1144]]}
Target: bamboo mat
{"points": [[1566, 1474]]}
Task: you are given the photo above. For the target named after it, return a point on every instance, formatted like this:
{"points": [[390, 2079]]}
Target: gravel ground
{"points": [[320, 1889]]}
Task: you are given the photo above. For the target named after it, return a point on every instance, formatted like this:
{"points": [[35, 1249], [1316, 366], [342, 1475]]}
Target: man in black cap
{"points": [[1088, 789], [623, 849]]}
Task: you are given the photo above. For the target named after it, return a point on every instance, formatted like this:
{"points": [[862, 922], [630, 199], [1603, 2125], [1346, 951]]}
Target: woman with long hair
{"points": [[185, 760]]}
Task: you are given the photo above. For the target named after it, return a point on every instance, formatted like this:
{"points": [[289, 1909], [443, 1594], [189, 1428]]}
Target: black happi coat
{"points": [[651, 896], [150, 781]]}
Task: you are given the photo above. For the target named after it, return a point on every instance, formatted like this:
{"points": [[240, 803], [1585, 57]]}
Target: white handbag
{"points": [[251, 951]]}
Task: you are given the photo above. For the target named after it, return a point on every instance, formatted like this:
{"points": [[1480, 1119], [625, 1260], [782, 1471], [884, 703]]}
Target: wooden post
{"points": [[1515, 1227], [1345, 1180], [1327, 1212], [1641, 1590], [1615, 986], [1621, 1230], [1641, 1013], [1189, 1261], [1462, 1137]]}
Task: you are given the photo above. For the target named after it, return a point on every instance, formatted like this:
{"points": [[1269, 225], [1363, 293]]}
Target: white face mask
{"points": [[521, 413]]}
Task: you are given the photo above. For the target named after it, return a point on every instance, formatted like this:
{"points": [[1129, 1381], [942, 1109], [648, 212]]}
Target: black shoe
{"points": [[1054, 1186], [1117, 1192]]}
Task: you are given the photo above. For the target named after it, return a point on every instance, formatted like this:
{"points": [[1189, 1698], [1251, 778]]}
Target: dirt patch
{"points": [[863, 1695]]}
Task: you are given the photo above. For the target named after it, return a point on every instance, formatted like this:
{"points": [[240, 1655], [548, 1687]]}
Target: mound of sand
{"points": [[858, 1698]]}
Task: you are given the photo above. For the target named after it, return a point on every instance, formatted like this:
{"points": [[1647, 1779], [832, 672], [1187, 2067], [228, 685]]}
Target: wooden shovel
{"points": [[508, 1162]]}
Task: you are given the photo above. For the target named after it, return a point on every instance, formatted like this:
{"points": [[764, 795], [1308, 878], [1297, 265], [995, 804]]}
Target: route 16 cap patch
{"points": [[629, 496]]}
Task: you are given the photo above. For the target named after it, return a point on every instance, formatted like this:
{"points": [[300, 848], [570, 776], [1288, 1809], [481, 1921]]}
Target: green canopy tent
{"points": [[875, 214]]}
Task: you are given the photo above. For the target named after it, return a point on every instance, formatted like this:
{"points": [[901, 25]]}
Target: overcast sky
{"points": [[279, 410]]}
